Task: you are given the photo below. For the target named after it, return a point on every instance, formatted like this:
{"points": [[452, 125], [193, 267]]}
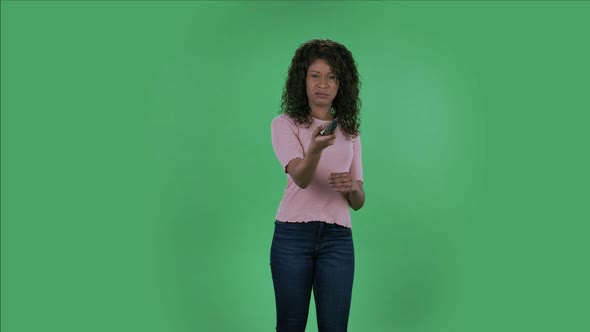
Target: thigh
{"points": [[333, 279], [292, 266]]}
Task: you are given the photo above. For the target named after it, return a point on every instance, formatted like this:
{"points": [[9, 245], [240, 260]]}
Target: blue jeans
{"points": [[306, 256]]}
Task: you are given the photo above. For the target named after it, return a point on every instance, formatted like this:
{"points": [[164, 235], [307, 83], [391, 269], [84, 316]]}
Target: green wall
{"points": [[139, 184]]}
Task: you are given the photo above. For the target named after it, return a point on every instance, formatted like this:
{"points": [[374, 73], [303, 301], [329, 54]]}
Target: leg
{"points": [[333, 279], [292, 267]]}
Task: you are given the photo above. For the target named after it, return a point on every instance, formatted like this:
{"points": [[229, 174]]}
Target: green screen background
{"points": [[139, 185]]}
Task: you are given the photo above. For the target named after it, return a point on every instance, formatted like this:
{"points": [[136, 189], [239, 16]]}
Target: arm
{"points": [[356, 197], [301, 167], [351, 189], [350, 184], [302, 170]]}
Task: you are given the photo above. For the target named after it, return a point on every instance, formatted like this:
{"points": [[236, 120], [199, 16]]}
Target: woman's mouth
{"points": [[322, 95]]}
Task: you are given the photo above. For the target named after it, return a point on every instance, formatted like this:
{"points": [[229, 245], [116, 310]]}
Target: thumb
{"points": [[317, 130]]}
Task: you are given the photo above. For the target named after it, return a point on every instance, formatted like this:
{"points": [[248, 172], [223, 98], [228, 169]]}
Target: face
{"points": [[321, 84]]}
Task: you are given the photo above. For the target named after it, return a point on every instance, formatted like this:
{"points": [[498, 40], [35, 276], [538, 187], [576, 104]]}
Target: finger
{"points": [[341, 175], [336, 180], [343, 185], [321, 138], [342, 189], [318, 129], [339, 183], [340, 179], [347, 188]]}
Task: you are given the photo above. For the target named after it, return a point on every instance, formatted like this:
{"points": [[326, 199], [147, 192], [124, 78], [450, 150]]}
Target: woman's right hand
{"points": [[318, 142]]}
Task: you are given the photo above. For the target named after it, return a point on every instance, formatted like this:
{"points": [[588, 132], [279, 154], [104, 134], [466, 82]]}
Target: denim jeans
{"points": [[306, 256]]}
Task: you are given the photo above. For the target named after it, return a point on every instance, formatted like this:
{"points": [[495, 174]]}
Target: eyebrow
{"points": [[315, 71]]}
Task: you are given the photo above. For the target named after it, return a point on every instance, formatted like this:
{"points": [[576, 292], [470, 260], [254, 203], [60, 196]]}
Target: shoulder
{"points": [[282, 118], [356, 139], [282, 121]]}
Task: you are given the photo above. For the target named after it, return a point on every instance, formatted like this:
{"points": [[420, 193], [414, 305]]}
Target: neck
{"points": [[322, 113]]}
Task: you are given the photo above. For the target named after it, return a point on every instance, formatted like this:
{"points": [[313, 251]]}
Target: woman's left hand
{"points": [[343, 182]]}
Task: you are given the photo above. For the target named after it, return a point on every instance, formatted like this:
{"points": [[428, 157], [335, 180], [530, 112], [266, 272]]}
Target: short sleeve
{"points": [[285, 142], [356, 168]]}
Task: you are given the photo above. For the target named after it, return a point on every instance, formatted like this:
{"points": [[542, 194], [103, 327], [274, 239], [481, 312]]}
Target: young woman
{"points": [[312, 246]]}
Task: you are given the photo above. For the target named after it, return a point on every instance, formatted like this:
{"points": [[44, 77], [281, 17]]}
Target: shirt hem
{"points": [[304, 221]]}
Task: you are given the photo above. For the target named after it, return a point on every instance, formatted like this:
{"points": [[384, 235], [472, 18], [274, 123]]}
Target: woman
{"points": [[312, 246]]}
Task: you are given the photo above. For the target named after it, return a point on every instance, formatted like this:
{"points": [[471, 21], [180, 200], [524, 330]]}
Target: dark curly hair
{"points": [[345, 106]]}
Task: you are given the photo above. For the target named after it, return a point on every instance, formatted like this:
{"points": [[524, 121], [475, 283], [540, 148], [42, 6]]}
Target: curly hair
{"points": [[345, 106]]}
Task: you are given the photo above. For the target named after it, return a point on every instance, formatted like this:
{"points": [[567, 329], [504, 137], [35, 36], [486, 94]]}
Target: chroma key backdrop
{"points": [[139, 185]]}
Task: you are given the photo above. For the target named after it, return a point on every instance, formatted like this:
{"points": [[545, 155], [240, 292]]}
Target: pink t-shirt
{"points": [[317, 202]]}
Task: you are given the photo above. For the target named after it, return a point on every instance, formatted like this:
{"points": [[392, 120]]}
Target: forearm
{"points": [[356, 198], [303, 170]]}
